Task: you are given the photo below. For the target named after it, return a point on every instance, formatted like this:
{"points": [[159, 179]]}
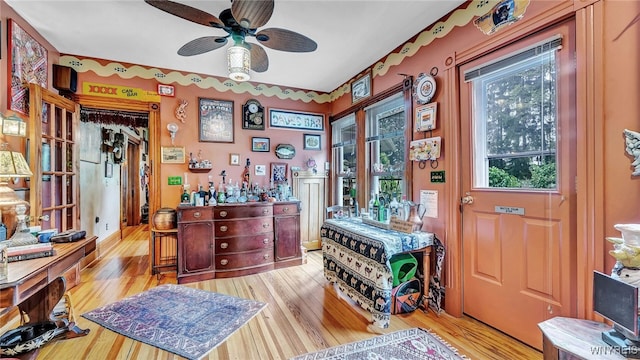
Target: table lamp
{"points": [[12, 165]]}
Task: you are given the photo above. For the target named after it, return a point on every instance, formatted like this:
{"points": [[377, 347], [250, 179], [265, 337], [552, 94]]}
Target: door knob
{"points": [[467, 200], [44, 218]]}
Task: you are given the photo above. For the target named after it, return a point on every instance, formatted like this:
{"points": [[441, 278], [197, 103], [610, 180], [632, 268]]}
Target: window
{"points": [[515, 116], [386, 148], [344, 159]]}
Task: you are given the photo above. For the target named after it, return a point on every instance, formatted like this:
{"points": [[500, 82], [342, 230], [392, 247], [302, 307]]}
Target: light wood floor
{"points": [[304, 314]]}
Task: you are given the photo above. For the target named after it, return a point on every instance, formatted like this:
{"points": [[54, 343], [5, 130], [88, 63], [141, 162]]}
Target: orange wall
{"points": [[218, 153], [608, 82]]}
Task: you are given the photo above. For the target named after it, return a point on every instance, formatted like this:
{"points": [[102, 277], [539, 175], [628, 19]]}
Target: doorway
{"points": [[518, 183]]}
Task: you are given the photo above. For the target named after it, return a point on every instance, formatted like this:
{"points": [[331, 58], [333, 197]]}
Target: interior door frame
{"points": [[153, 108]]}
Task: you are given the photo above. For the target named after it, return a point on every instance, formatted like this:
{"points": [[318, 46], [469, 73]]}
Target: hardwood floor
{"points": [[304, 314]]}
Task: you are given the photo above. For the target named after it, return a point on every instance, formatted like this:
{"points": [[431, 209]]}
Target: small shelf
{"points": [[200, 170]]}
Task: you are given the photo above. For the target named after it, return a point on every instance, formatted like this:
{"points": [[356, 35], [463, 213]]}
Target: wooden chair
{"points": [[338, 212]]}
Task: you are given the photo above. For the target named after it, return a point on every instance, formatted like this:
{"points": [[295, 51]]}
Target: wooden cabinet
{"points": [[312, 191], [237, 239], [287, 233], [195, 244]]}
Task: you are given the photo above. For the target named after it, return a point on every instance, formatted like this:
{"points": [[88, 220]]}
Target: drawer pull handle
{"points": [[196, 214], [266, 256], [223, 213], [265, 241], [285, 209], [224, 262], [223, 228], [265, 211], [265, 225], [224, 245]]}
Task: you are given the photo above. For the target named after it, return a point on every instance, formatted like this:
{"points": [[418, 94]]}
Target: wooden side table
{"points": [[569, 338], [164, 250]]}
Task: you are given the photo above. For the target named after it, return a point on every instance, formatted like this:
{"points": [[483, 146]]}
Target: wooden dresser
{"points": [[237, 239]]}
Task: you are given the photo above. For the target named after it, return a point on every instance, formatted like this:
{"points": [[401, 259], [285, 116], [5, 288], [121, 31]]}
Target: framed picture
{"points": [[260, 144], [361, 88], [426, 117], [234, 159], [108, 169], [166, 90], [172, 154], [28, 64], [215, 119], [295, 120], [278, 172], [311, 141], [261, 170]]}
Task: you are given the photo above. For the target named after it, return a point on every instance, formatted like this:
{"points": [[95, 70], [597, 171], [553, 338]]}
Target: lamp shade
{"points": [[13, 164], [239, 62]]}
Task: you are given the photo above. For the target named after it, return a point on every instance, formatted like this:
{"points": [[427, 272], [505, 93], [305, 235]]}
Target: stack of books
{"points": [[33, 251]]}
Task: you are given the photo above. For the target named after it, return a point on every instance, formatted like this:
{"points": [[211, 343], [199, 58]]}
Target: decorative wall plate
{"points": [[424, 88], [285, 151]]}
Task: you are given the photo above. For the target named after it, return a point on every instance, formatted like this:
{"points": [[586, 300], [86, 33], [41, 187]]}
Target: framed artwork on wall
{"points": [[215, 119], [173, 154], [28, 64], [361, 88], [278, 172], [426, 117], [260, 144], [166, 90], [234, 159], [311, 142], [295, 120], [261, 170]]}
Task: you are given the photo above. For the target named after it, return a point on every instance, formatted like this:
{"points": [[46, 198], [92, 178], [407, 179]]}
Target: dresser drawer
{"points": [[199, 213], [244, 243], [259, 225], [242, 260], [286, 209], [222, 212]]}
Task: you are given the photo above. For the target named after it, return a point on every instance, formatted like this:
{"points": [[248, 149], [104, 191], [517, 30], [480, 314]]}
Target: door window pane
{"points": [[344, 159], [515, 113]]}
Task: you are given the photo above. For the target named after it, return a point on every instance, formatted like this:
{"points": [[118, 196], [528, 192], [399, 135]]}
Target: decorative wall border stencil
{"points": [[27, 64], [222, 85]]}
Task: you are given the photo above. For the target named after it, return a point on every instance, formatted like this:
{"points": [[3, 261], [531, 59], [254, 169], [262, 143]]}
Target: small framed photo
{"points": [[234, 159], [426, 117], [108, 169], [260, 144], [312, 142], [166, 90], [361, 88], [261, 170], [172, 154]]}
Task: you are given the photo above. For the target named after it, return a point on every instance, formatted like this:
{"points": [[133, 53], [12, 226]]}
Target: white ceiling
{"points": [[351, 35]]}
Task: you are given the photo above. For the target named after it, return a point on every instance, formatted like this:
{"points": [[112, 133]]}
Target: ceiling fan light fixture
{"points": [[239, 62]]}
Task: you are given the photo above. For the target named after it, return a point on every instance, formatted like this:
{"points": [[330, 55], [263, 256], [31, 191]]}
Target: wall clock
{"points": [[424, 88], [252, 115]]}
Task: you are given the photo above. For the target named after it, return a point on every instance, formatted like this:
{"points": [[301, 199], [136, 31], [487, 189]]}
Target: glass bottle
{"points": [[184, 199], [376, 208], [3, 229], [394, 207], [222, 197], [370, 209]]}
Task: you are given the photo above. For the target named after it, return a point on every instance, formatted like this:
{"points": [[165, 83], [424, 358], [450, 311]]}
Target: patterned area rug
{"points": [[182, 320], [407, 344]]}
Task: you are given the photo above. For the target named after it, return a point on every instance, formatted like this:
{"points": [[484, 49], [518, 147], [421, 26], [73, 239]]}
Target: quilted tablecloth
{"points": [[356, 257]]}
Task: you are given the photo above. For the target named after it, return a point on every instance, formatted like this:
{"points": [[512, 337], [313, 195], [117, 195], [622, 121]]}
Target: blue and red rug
{"points": [[408, 344], [182, 320]]}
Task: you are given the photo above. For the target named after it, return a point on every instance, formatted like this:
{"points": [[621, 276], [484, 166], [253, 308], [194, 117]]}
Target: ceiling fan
{"points": [[241, 21]]}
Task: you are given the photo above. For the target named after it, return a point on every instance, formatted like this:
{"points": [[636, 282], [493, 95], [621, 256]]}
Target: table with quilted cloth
{"points": [[356, 257]]}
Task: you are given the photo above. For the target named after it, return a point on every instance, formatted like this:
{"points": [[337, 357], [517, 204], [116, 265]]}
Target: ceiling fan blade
{"points": [[259, 59], [202, 45], [186, 12], [286, 40], [252, 14]]}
